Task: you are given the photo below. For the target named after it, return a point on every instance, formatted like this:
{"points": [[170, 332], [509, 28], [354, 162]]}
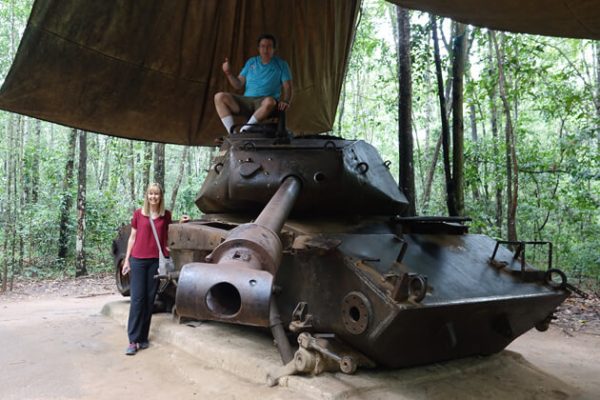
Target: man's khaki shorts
{"points": [[248, 104]]}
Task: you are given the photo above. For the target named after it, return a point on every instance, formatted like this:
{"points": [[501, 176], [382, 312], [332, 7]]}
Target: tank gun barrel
{"points": [[235, 284], [276, 211]]}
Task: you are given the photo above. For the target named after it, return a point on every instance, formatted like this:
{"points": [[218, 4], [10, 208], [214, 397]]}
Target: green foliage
{"points": [[371, 86], [108, 201], [550, 86]]}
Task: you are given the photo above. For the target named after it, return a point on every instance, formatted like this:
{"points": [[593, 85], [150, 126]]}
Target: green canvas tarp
{"points": [[565, 18], [148, 69]]}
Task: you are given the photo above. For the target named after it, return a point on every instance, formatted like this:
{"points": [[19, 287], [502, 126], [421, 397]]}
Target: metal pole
{"points": [[281, 340]]}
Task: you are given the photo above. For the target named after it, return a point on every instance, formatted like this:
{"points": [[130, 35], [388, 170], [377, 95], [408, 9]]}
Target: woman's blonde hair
{"points": [[161, 204]]}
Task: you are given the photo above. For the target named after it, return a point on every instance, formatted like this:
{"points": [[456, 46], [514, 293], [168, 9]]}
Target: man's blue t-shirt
{"points": [[265, 79]]}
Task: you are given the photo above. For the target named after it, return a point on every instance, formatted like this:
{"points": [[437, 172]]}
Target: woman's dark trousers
{"points": [[142, 289]]}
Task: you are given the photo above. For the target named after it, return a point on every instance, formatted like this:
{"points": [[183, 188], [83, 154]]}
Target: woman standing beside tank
{"points": [[141, 261]]}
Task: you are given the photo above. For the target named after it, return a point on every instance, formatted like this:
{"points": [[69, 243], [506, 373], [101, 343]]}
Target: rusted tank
{"points": [[303, 236]]}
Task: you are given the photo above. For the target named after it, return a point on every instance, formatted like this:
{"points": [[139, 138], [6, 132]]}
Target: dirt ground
{"points": [[54, 344]]}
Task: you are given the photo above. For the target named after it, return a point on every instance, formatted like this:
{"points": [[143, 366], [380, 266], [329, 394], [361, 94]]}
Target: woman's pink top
{"points": [[145, 244]]}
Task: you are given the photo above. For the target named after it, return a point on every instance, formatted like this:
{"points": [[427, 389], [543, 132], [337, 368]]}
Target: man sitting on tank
{"points": [[267, 84]]}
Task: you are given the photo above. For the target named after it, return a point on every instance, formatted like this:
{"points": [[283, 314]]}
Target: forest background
{"points": [[531, 122]]}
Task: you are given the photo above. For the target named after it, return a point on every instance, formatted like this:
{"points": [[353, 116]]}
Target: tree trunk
{"points": [[445, 134], [405, 139], [429, 116], [20, 200], [67, 199], [458, 129], [475, 139], [357, 125], [159, 164], [597, 47], [512, 175], [147, 164], [430, 174], [182, 164], [132, 175], [80, 264], [473, 123], [94, 148], [429, 113], [35, 165], [105, 164], [341, 110], [495, 135], [11, 194], [8, 206]]}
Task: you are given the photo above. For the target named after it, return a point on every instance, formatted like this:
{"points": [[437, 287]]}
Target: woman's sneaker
{"points": [[143, 345], [131, 349]]}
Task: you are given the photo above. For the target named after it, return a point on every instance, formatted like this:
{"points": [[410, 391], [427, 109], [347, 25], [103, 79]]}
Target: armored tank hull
{"points": [[339, 270]]}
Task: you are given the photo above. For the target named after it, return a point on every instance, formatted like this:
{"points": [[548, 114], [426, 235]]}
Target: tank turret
{"points": [[338, 177]]}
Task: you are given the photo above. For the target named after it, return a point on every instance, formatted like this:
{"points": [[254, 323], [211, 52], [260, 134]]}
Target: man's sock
{"points": [[228, 122], [249, 124]]}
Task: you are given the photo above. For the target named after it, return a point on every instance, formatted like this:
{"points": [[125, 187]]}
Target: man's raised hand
{"points": [[227, 67]]}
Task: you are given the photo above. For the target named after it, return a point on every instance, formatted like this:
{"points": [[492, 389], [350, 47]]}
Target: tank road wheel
{"points": [[119, 249], [121, 280]]}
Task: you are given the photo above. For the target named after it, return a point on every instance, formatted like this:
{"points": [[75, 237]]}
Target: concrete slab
{"points": [[250, 354]]}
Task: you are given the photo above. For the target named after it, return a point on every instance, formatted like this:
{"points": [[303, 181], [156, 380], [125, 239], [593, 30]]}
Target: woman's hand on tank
{"points": [[184, 218], [126, 268]]}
